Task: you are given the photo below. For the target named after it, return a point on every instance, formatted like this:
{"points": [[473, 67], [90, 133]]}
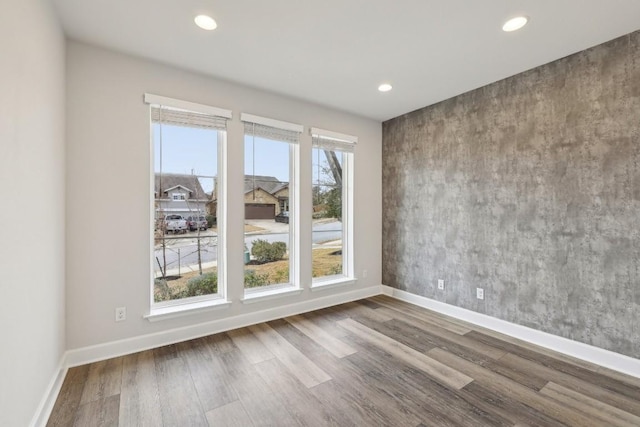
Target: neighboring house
{"points": [[179, 194], [264, 197], [282, 194]]}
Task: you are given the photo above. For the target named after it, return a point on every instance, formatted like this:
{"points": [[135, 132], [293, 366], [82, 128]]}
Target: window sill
{"points": [[321, 285], [180, 310], [252, 297]]}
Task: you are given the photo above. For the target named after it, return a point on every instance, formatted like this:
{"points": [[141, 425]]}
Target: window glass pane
{"points": [[185, 227], [328, 208], [267, 207]]}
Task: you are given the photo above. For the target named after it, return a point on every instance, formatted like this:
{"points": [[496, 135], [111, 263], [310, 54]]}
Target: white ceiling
{"points": [[337, 52]]}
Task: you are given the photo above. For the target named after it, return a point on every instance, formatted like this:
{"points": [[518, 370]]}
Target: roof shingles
{"points": [[166, 181]]}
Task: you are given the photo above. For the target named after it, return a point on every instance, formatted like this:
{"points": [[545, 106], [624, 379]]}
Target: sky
{"points": [[194, 151]]}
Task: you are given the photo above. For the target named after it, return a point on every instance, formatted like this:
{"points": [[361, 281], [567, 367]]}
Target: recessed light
{"points": [[205, 22], [385, 87], [514, 24]]}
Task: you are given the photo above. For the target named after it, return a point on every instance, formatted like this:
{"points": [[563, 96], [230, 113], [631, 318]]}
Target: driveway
{"points": [[269, 226]]}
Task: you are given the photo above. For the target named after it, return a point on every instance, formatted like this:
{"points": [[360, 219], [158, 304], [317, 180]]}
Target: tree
{"points": [[327, 193], [333, 201]]}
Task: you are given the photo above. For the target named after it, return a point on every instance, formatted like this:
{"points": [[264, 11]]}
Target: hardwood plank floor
{"points": [[316, 333], [139, 396], [375, 362]]}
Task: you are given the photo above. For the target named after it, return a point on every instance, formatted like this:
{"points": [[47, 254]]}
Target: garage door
{"points": [[259, 211]]}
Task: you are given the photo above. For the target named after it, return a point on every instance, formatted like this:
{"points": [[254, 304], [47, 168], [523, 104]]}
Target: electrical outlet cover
{"points": [[480, 293], [121, 314], [441, 284]]}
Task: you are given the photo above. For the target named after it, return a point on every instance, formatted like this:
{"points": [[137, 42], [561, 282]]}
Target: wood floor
{"points": [[376, 362]]}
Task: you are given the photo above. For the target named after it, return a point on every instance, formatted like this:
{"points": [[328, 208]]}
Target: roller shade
{"points": [[329, 140], [276, 130], [170, 116], [188, 114]]}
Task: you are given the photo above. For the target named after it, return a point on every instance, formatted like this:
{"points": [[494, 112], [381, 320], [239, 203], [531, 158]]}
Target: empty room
{"points": [[334, 213]]}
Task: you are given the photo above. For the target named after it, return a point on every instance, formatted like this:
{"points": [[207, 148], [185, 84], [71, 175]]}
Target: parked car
{"points": [[175, 224], [283, 217], [195, 222]]}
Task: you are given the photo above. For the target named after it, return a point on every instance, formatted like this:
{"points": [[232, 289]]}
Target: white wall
{"points": [[108, 255], [32, 245]]}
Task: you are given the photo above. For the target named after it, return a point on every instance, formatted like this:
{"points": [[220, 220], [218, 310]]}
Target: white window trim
{"points": [[179, 104], [336, 136], [278, 124], [185, 306]]}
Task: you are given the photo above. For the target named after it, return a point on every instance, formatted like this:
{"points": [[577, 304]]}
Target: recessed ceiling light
{"points": [[385, 87], [205, 22], [515, 23]]}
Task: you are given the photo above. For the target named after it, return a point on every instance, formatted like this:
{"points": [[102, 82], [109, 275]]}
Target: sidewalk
{"points": [[186, 269], [270, 226]]}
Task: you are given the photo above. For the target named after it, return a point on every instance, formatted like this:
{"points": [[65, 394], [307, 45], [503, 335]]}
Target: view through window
{"points": [[327, 212], [268, 207], [186, 250], [331, 188]]}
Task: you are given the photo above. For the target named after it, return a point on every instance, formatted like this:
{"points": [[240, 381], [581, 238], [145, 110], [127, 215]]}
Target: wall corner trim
{"points": [[43, 412], [609, 359]]}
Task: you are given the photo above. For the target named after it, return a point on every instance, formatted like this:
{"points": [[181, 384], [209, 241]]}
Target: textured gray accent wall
{"points": [[530, 189]]}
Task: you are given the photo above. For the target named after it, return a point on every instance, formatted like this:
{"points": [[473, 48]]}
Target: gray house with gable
{"points": [[179, 194]]}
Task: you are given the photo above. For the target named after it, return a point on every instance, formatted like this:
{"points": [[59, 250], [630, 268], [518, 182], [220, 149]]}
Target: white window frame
{"points": [[178, 197], [176, 308], [294, 285], [346, 145]]}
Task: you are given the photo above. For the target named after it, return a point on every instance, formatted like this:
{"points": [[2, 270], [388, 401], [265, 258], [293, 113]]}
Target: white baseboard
{"points": [[108, 350], [589, 353], [45, 407]]}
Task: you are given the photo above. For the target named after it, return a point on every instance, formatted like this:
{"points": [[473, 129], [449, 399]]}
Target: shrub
{"points": [[211, 221], [253, 280], [204, 284], [336, 269], [264, 251], [161, 291], [281, 276], [280, 248]]}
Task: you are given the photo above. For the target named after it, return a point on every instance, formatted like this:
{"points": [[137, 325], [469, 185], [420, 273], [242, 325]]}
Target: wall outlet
{"points": [[364, 274], [121, 314], [441, 284], [480, 293]]}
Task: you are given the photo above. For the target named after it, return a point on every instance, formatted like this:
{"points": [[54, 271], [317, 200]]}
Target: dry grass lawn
{"points": [[324, 264]]}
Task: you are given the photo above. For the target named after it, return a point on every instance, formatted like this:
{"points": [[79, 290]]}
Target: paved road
{"points": [[183, 250]]}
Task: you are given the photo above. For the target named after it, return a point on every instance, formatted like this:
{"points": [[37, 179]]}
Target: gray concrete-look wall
{"points": [[530, 189]]}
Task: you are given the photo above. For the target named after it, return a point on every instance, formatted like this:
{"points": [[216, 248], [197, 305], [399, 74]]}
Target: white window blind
{"points": [[188, 114], [170, 116], [276, 130], [333, 140]]}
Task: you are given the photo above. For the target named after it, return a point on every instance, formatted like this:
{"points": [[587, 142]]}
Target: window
{"points": [[271, 156], [188, 143], [332, 195]]}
